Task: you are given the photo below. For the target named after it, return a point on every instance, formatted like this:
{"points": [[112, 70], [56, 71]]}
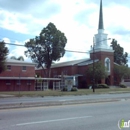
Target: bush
{"points": [[89, 86], [102, 86], [74, 89], [65, 89], [122, 86]]}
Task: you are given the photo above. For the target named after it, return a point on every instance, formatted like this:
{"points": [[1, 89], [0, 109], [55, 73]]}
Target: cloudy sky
{"points": [[21, 20]]}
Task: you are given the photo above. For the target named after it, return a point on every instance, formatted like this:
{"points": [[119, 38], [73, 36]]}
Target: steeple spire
{"points": [[101, 37], [100, 25]]}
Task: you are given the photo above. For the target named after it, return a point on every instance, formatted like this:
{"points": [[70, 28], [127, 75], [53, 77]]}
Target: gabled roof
{"points": [[80, 62], [69, 63], [18, 62], [88, 62]]}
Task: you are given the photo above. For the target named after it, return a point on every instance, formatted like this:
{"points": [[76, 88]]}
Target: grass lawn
{"points": [[60, 93]]}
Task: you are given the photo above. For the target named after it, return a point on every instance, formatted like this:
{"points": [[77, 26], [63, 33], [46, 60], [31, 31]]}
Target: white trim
{"points": [[19, 64], [17, 78], [28, 78], [47, 78], [101, 50]]}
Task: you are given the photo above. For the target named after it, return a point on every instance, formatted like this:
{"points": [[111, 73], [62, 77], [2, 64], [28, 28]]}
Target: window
{"points": [[54, 73], [9, 67], [24, 68], [107, 64], [18, 82], [29, 82], [65, 72], [8, 82]]}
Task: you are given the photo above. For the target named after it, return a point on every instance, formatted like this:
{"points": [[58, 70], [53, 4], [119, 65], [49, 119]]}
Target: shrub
{"points": [[75, 86], [65, 89], [102, 86], [122, 86], [74, 89], [89, 86]]}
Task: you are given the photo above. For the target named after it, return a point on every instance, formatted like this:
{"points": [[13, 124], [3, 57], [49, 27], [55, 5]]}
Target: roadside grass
{"points": [[62, 93]]}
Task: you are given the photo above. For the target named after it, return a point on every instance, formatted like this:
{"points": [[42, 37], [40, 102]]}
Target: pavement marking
{"points": [[62, 100], [49, 121]]}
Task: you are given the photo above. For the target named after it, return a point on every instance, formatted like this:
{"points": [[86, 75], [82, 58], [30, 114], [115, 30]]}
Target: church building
{"points": [[21, 75], [100, 51]]}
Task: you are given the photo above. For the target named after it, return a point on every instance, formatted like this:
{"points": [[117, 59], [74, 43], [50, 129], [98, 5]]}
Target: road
{"points": [[95, 116], [15, 100]]}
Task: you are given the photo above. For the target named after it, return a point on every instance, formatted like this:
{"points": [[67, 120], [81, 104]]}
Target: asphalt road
{"points": [[15, 100], [96, 116]]}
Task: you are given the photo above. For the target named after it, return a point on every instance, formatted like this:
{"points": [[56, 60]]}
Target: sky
{"points": [[21, 20]]}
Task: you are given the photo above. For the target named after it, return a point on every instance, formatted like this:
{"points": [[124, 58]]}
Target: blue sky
{"points": [[78, 19]]}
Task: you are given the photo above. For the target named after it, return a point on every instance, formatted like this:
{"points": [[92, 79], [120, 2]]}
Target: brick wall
{"points": [[17, 70]]}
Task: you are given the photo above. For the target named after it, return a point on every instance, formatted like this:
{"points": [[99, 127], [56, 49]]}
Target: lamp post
{"points": [[93, 87]]}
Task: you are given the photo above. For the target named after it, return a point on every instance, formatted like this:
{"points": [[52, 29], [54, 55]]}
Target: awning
{"points": [[48, 79]]}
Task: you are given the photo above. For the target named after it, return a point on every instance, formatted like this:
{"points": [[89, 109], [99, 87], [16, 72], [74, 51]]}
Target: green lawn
{"points": [[60, 93]]}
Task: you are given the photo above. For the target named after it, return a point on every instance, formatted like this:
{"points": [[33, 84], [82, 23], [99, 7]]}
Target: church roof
{"points": [[80, 62], [16, 62], [68, 63]]}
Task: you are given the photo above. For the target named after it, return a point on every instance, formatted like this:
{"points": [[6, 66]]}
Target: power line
{"points": [[15, 44], [65, 50], [76, 51]]}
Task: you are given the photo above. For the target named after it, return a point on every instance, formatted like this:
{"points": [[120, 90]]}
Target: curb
{"points": [[54, 103]]}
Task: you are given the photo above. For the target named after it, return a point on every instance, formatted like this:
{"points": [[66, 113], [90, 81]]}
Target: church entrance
{"points": [[107, 80]]}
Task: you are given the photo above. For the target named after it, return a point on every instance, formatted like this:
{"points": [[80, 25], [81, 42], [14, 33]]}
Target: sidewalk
{"points": [[10, 101], [6, 95]]}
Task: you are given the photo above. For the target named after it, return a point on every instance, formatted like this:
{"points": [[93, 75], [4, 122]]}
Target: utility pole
{"points": [[19, 84], [93, 67]]}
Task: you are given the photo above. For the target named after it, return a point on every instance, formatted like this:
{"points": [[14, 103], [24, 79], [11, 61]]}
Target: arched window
{"points": [[107, 64]]}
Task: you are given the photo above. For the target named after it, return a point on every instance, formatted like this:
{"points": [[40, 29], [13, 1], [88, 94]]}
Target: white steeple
{"points": [[100, 24], [100, 39]]}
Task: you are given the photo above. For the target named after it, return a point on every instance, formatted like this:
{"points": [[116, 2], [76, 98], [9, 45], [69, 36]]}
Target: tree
{"points": [[3, 55], [99, 72], [121, 72], [119, 56], [47, 47], [19, 58]]}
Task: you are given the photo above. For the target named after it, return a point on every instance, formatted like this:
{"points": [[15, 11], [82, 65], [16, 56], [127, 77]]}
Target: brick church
{"points": [[100, 51], [20, 75]]}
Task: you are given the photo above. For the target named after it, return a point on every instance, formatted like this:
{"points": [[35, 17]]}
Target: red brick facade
{"points": [[101, 55], [17, 71], [19, 76]]}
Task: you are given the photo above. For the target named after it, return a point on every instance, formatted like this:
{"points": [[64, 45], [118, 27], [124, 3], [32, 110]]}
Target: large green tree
{"points": [[119, 56], [47, 47], [97, 73], [121, 72], [3, 55], [19, 58]]}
